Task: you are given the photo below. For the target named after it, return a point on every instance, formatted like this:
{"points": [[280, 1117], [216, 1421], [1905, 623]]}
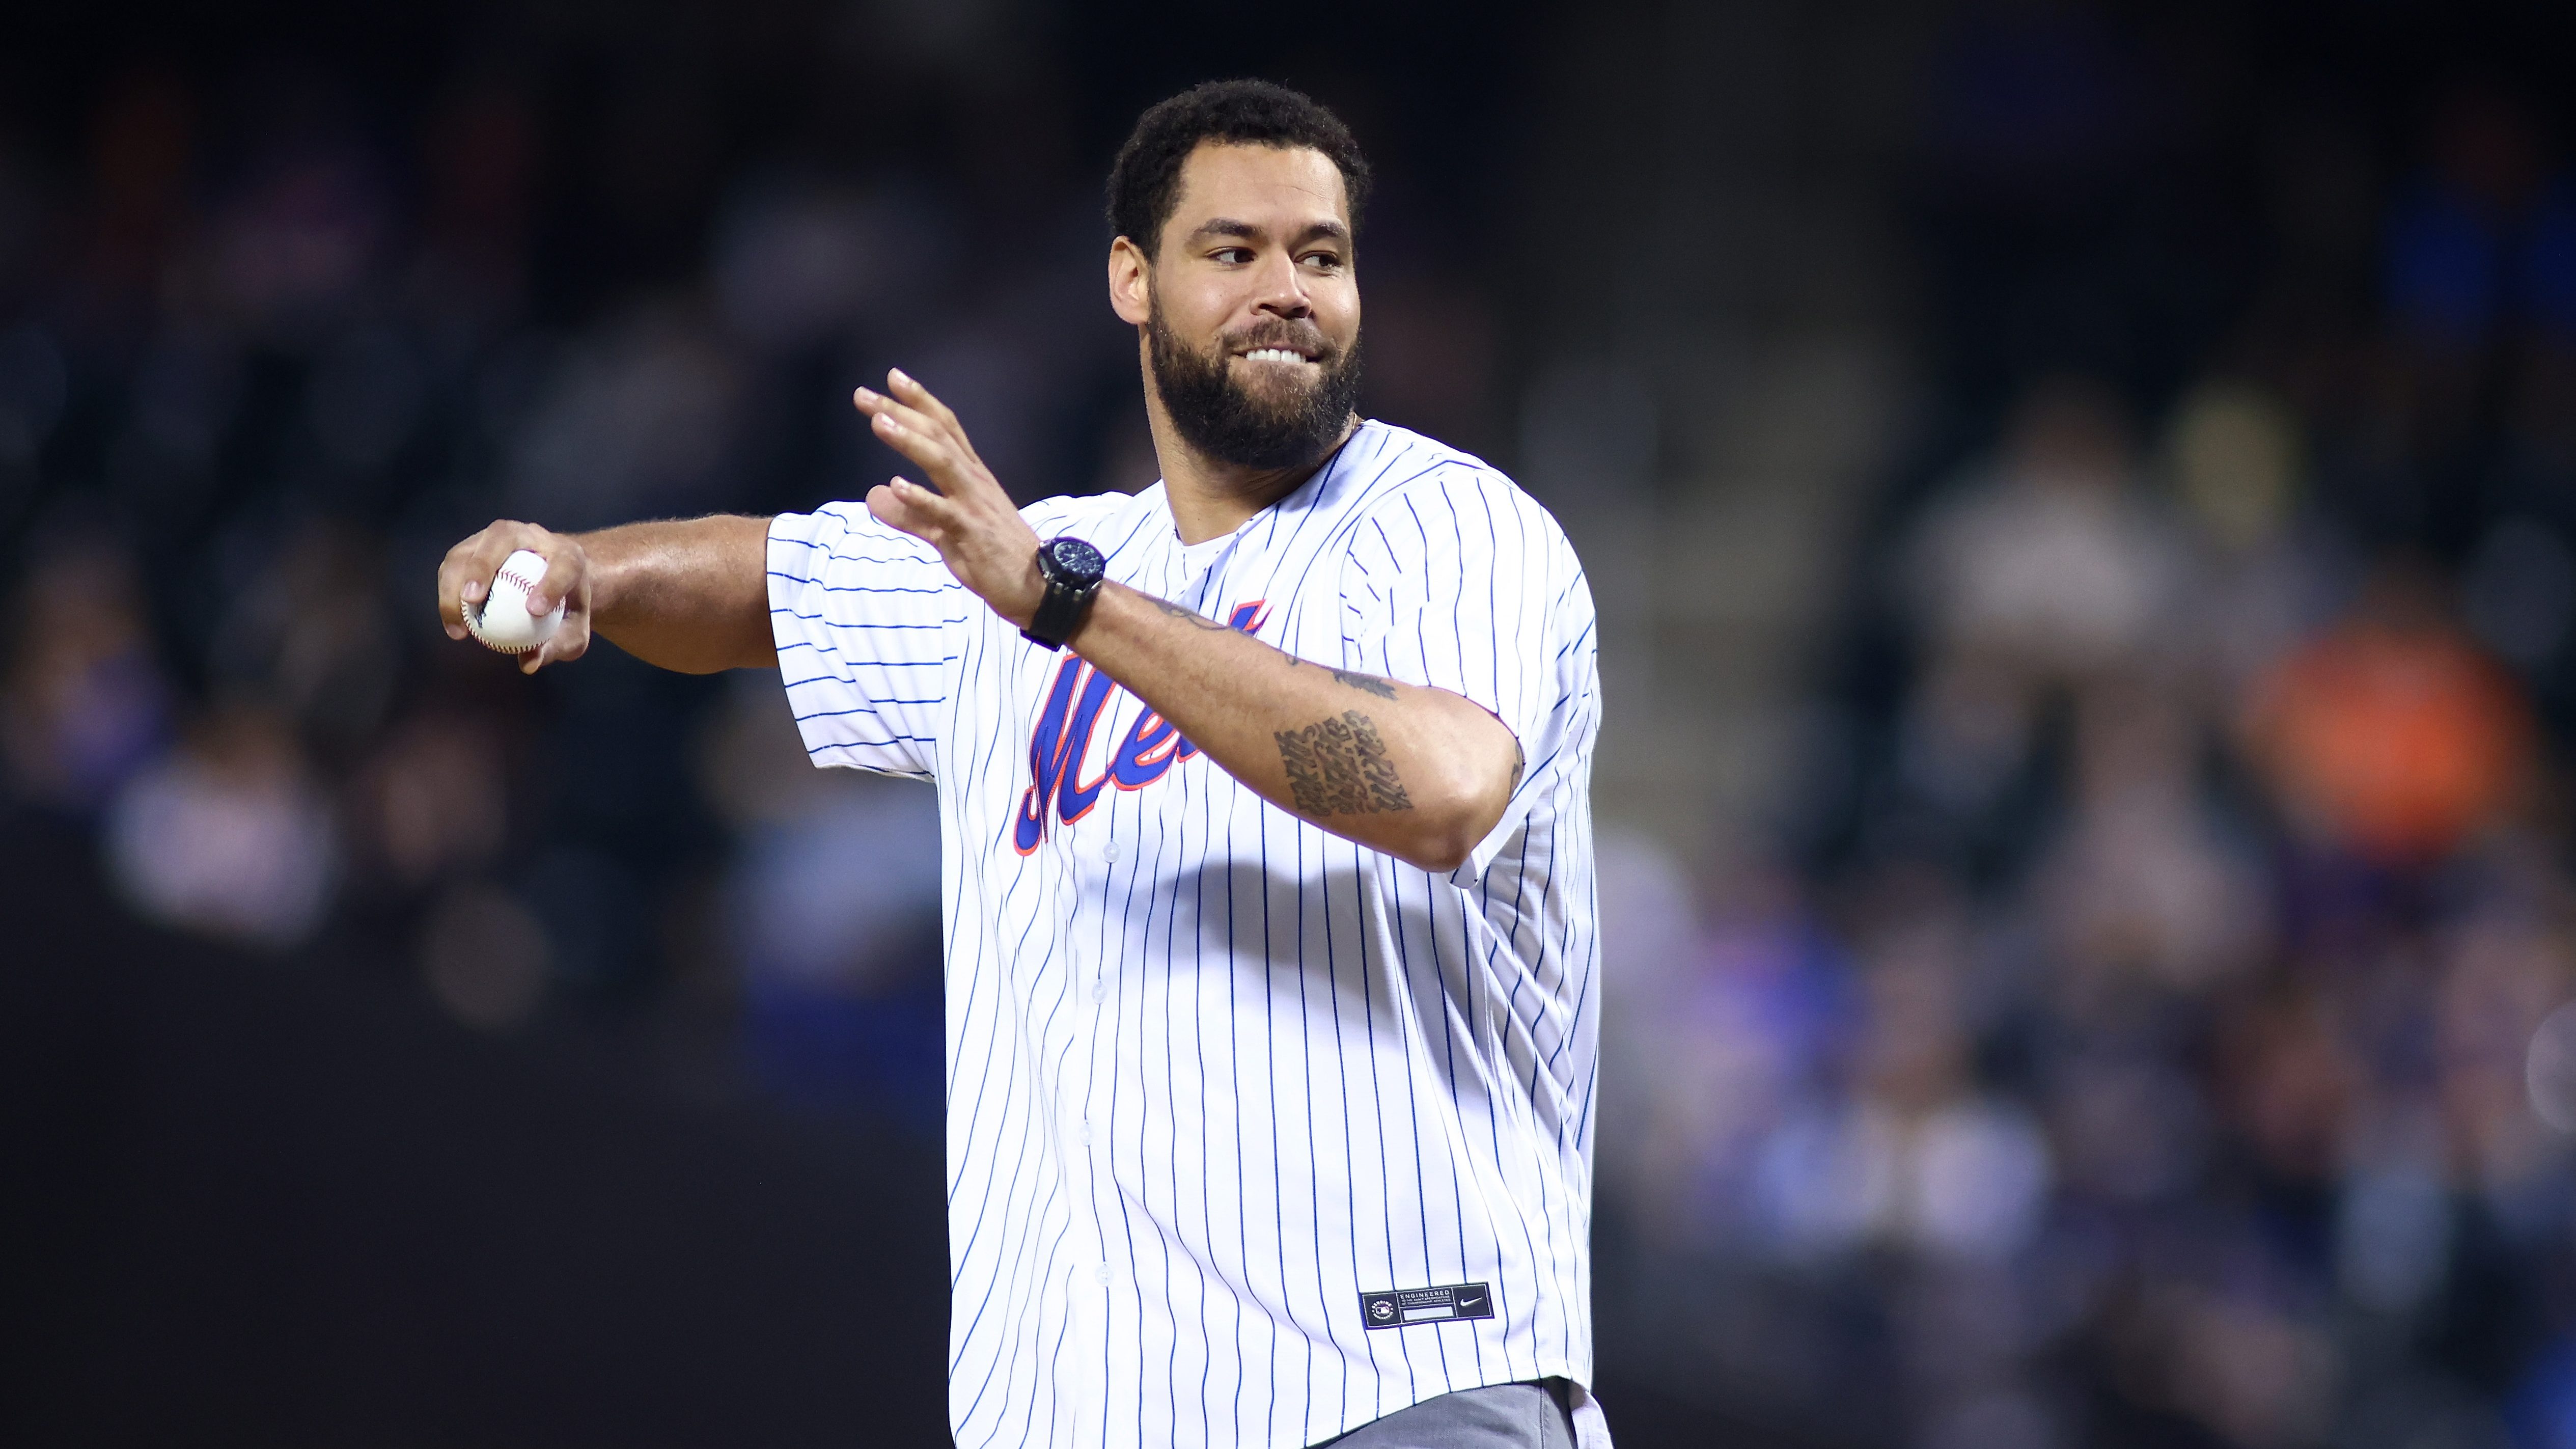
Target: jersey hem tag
{"points": [[1403, 1307]]}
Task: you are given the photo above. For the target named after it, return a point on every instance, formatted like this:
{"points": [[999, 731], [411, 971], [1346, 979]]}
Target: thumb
{"points": [[907, 506]]}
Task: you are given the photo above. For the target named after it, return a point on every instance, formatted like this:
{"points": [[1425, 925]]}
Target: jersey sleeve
{"points": [[868, 622], [1463, 582]]}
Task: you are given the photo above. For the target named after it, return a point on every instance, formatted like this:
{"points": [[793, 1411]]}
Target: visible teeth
{"points": [[1274, 354]]}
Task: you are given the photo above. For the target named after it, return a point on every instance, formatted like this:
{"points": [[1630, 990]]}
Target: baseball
{"points": [[502, 621]]}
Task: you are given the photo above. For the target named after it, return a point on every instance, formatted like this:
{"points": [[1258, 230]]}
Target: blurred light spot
{"points": [[2236, 459], [2549, 1070], [228, 836], [1981, 1180], [82, 704]]}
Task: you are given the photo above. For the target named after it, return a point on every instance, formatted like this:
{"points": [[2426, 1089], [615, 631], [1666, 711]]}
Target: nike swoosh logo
{"points": [[1470, 1305]]}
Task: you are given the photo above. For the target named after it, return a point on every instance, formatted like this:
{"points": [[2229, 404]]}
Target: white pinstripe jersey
{"points": [[1254, 1134]]}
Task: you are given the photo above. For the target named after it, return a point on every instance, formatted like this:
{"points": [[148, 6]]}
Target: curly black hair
{"points": [[1145, 182]]}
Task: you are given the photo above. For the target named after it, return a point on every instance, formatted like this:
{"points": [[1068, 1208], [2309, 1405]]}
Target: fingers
{"points": [[465, 578], [903, 504], [908, 433], [565, 565], [890, 419], [971, 520], [922, 428], [906, 416], [888, 510], [920, 399], [955, 471], [567, 578], [571, 641], [913, 403], [465, 575], [453, 572]]}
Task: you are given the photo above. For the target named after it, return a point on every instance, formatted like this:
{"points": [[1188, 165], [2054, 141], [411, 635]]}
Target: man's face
{"points": [[1254, 318]]}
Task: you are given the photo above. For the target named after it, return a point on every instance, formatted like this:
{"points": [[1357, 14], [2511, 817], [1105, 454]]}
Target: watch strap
{"points": [[1063, 608]]}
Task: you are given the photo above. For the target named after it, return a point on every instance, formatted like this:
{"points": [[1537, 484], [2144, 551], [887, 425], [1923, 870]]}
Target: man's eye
{"points": [[1233, 256], [1324, 261]]}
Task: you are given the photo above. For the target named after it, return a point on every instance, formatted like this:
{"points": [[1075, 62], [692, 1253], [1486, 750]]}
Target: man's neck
{"points": [[1210, 499]]}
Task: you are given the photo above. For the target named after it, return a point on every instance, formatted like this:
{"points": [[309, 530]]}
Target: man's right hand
{"points": [[465, 577]]}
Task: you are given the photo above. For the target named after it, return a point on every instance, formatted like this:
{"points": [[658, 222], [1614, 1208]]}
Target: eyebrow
{"points": [[1227, 226]]}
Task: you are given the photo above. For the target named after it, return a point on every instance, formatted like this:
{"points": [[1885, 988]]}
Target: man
{"points": [[1270, 983]]}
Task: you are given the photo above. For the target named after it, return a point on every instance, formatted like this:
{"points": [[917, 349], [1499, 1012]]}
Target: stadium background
{"points": [[2081, 498]]}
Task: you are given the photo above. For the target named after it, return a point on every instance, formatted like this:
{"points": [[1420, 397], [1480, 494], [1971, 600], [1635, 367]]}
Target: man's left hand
{"points": [[970, 519]]}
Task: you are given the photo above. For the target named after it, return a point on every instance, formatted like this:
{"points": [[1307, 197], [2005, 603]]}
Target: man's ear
{"points": [[1131, 283]]}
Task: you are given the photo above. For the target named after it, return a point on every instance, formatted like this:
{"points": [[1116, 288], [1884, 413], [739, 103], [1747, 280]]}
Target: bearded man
{"points": [[1266, 840]]}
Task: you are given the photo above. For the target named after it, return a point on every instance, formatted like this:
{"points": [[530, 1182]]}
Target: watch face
{"points": [[1077, 562]]}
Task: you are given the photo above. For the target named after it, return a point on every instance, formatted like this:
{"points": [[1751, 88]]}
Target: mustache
{"points": [[1280, 332]]}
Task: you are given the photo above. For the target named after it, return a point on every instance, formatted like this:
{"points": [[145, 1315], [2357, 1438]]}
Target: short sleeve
{"points": [[868, 622], [1462, 582]]}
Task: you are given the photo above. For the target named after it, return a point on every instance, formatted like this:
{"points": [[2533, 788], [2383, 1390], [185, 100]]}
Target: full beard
{"points": [[1225, 421]]}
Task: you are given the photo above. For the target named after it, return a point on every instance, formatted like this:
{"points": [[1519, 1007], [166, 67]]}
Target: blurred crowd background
{"points": [[2082, 498]]}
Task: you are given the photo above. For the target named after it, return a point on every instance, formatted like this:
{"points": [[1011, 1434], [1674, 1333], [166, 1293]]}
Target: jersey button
{"points": [[1100, 1275], [1099, 990], [1086, 1134], [1111, 849]]}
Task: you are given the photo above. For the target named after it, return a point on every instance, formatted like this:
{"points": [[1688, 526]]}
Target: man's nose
{"points": [[1282, 291]]}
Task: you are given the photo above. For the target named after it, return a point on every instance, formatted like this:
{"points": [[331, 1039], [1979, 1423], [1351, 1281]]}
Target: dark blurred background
{"points": [[2082, 499]]}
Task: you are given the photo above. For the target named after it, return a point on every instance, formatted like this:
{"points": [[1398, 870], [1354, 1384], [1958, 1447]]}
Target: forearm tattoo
{"points": [[1365, 683], [1191, 616], [1339, 767]]}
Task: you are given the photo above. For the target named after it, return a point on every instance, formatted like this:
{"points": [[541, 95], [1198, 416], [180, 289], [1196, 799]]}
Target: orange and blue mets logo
{"points": [[1062, 741]]}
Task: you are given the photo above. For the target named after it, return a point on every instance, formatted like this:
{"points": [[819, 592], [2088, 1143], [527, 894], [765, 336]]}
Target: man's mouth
{"points": [[1276, 354]]}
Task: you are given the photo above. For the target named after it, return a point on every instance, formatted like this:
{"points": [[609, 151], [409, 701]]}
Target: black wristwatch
{"points": [[1072, 571]]}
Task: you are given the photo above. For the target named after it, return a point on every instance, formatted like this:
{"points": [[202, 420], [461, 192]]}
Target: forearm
{"points": [[687, 594], [1421, 774]]}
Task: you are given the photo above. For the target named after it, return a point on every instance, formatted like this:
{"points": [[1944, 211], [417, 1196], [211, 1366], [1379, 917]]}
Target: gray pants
{"points": [[1498, 1416]]}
